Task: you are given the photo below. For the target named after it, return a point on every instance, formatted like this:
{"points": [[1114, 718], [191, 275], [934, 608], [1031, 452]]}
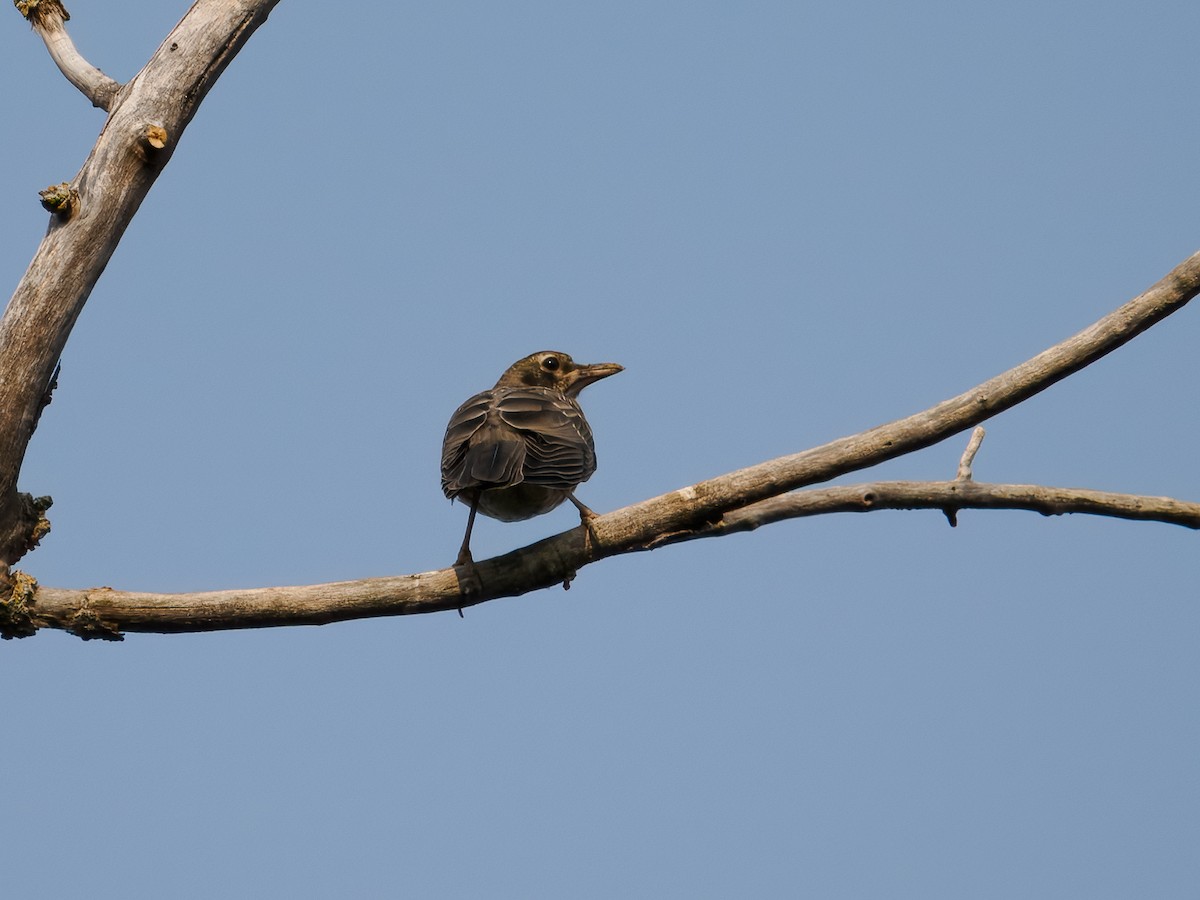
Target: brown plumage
{"points": [[521, 448]]}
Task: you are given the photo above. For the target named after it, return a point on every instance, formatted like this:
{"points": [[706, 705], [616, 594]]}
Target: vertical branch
{"points": [[144, 124]]}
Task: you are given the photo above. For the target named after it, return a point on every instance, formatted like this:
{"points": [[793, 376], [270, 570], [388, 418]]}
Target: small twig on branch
{"points": [[964, 470], [48, 18], [968, 457]]}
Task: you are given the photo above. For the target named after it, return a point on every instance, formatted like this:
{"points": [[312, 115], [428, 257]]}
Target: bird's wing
{"points": [[479, 450], [559, 451]]}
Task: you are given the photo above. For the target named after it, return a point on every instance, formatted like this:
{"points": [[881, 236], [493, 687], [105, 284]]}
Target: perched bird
{"points": [[521, 449]]}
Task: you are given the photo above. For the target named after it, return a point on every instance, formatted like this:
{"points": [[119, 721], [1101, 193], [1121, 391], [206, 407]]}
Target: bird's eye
{"points": [[550, 362]]}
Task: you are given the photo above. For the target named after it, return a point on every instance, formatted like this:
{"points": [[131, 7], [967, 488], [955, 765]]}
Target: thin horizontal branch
{"points": [[954, 495], [48, 18], [105, 613]]}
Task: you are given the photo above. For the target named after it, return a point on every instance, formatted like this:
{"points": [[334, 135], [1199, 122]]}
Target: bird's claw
{"points": [[469, 582]]}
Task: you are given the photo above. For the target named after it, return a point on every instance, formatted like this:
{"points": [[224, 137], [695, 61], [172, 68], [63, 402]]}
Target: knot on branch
{"points": [[87, 625], [15, 618], [60, 199], [154, 137], [23, 523], [41, 525]]}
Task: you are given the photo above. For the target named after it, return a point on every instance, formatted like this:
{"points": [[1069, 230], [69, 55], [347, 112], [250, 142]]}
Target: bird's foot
{"points": [[586, 517], [467, 574]]}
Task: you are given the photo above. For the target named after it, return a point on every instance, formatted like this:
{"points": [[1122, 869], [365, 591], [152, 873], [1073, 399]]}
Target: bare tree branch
{"points": [[144, 125], [146, 120], [708, 509], [105, 613], [706, 502], [949, 496], [48, 18]]}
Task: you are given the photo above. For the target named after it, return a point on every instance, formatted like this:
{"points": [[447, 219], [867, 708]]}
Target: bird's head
{"points": [[557, 371]]}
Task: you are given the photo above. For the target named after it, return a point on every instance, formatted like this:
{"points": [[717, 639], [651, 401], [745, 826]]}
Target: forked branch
{"points": [[146, 120], [740, 501]]}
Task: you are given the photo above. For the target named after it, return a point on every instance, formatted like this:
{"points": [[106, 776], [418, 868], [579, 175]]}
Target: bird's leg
{"points": [[585, 519], [464, 553], [585, 514], [468, 578]]}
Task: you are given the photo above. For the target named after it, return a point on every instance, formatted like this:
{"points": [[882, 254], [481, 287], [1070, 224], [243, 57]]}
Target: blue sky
{"points": [[789, 223]]}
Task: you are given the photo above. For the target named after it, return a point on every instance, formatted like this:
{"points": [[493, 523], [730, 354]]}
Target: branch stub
{"points": [[15, 619], [60, 199]]}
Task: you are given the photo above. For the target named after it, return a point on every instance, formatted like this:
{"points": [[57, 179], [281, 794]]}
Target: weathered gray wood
{"points": [[153, 109], [49, 18], [739, 501]]}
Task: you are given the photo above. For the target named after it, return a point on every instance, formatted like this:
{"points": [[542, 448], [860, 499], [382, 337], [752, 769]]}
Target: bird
{"points": [[522, 448]]}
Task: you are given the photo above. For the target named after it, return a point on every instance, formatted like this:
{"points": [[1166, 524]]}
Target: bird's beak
{"points": [[585, 375]]}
